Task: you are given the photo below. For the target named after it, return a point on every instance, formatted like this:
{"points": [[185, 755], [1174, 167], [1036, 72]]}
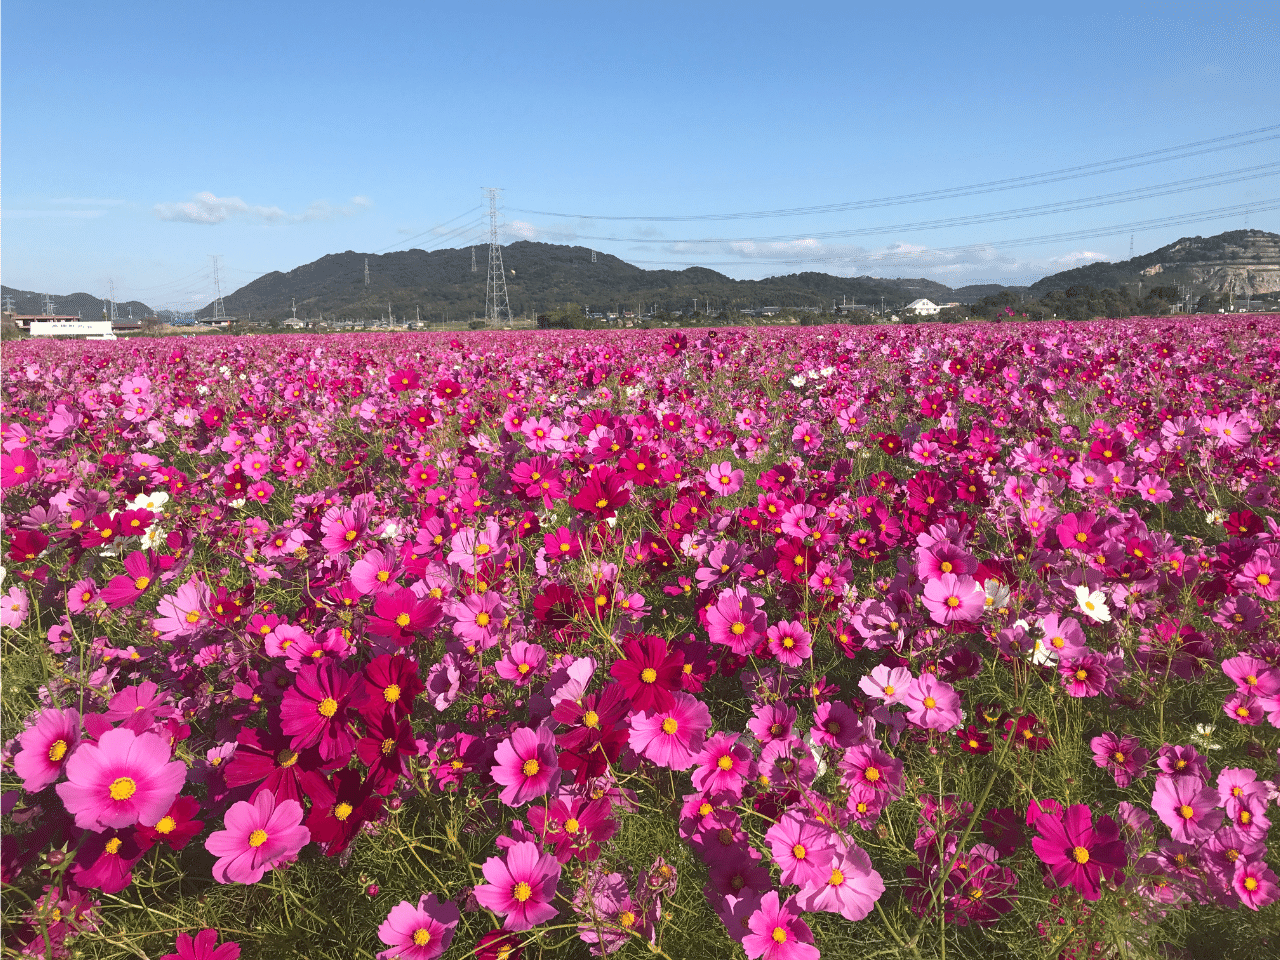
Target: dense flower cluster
{"points": [[787, 583]]}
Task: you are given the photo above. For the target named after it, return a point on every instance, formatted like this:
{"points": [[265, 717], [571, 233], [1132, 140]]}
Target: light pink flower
{"points": [[671, 737], [258, 836], [123, 779]]}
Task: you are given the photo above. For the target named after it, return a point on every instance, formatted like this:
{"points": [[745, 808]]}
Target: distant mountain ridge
{"points": [[1240, 261], [541, 276], [27, 302]]}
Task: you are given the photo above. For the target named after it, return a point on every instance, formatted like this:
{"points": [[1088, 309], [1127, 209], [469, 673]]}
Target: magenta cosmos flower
{"points": [[523, 662], [950, 598], [790, 643], [1255, 884], [46, 747], [723, 765], [318, 709], [418, 933], [259, 836], [123, 779], [670, 738], [1121, 755], [203, 946], [778, 933], [1078, 852], [801, 848], [521, 886], [1186, 806], [525, 765], [932, 703]]}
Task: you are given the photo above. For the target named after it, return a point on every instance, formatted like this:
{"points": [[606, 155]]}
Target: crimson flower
{"points": [[650, 674], [603, 492], [318, 709], [338, 807]]}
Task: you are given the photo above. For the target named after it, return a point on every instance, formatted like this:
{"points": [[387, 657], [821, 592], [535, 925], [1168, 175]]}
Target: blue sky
{"points": [[139, 138]]}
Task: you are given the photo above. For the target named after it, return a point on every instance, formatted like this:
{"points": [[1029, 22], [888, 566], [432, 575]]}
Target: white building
{"points": [[922, 308]]}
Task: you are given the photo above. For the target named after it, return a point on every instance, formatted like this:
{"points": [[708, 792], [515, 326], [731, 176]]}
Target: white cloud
{"points": [[209, 209], [1080, 257]]}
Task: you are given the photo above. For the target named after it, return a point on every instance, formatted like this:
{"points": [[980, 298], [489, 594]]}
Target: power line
{"points": [[1163, 155], [1018, 213], [1200, 216]]}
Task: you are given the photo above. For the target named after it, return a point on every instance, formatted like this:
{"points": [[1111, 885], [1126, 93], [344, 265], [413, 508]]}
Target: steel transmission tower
{"points": [[473, 259], [219, 313], [366, 271], [496, 306]]}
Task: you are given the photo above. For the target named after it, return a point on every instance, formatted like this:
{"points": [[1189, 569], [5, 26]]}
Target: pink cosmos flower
{"points": [[521, 886], [802, 849], [1262, 576], [837, 725], [867, 767], [1121, 755], [1255, 884], [45, 748], [478, 617], [885, 683], [1239, 787], [1252, 676], [723, 479], [1085, 674], [203, 946], [185, 613], [932, 704], [671, 737], [123, 779], [523, 662], [258, 836], [778, 933], [723, 764], [375, 573], [790, 643], [1185, 805], [772, 721], [737, 621], [950, 598], [1078, 852], [418, 933], [525, 765], [851, 889], [1062, 637]]}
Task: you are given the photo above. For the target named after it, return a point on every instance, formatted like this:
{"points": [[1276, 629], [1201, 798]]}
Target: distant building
{"points": [[922, 308], [46, 325]]}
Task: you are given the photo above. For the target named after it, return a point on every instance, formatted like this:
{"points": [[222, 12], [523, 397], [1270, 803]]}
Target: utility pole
{"points": [[366, 271], [496, 305], [473, 259]]}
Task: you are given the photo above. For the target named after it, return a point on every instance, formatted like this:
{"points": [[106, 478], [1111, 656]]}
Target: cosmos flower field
{"points": [[854, 642]]}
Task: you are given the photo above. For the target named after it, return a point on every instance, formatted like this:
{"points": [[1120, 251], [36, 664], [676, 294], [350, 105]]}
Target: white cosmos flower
{"points": [[153, 537], [997, 594], [798, 380], [1093, 604], [148, 501]]}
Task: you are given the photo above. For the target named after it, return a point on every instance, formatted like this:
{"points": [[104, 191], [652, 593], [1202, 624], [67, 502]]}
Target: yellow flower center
{"points": [[571, 825], [930, 703], [705, 809], [530, 767], [193, 616], [387, 746], [286, 758], [1186, 812], [626, 918], [257, 838], [482, 619], [421, 937], [798, 851], [57, 750], [591, 719], [342, 811], [166, 825], [872, 774], [649, 675], [113, 845], [725, 762], [522, 891], [738, 629], [779, 935], [523, 668], [1251, 884], [122, 788], [837, 877], [142, 583], [391, 693], [669, 725], [1080, 855], [328, 707], [889, 689], [402, 620]]}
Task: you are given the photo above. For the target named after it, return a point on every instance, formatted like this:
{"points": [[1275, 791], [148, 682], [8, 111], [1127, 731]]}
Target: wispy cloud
{"points": [[87, 201], [209, 209], [1079, 258]]}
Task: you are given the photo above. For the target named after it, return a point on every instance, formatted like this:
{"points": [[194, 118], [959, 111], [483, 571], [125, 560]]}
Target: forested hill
{"points": [[541, 276]]}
